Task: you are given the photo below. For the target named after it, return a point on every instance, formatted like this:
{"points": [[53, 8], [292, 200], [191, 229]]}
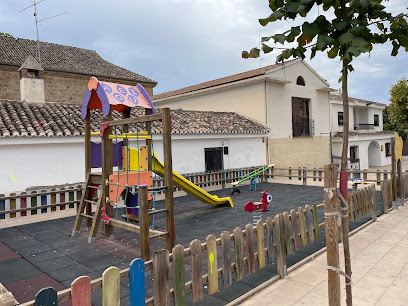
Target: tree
{"points": [[5, 34], [398, 108], [353, 27]]}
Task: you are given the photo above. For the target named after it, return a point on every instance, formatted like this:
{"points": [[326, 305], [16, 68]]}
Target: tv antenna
{"points": [[39, 21]]}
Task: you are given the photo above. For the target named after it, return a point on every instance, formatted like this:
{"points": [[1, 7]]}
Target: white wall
{"points": [[279, 100], [335, 109], [31, 162], [363, 143]]}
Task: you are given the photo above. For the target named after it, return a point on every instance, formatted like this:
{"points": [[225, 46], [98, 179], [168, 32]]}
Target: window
{"points": [[353, 152], [376, 120], [340, 118], [300, 117], [214, 159], [300, 81], [388, 149]]}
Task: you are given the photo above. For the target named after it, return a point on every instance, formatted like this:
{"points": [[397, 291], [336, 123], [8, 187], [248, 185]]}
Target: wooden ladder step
{"points": [[89, 201], [87, 216], [94, 187], [157, 211]]}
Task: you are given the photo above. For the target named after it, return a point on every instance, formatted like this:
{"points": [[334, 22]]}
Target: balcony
{"points": [[364, 126]]}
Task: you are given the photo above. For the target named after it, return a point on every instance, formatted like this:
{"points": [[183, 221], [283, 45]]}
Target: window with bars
{"points": [[388, 149], [340, 118]]}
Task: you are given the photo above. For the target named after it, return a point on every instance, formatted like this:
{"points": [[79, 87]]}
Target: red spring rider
{"points": [[258, 207]]}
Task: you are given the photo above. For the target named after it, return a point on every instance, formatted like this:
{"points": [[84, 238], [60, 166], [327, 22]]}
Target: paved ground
{"points": [[379, 260], [43, 254]]}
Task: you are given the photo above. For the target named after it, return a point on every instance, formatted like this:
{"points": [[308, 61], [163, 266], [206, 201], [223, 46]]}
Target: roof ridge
{"points": [[219, 81]]}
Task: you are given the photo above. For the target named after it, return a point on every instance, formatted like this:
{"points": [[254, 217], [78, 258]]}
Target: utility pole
{"points": [[36, 24]]}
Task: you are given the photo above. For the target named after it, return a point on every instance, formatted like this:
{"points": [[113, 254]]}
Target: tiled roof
{"points": [[21, 119], [217, 82], [14, 51], [336, 96]]}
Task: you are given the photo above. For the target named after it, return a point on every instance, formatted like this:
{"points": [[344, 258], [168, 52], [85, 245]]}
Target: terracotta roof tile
{"points": [[336, 96], [21, 119], [54, 57], [217, 82]]}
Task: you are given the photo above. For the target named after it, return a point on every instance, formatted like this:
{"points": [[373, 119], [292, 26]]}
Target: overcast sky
{"points": [[179, 43]]}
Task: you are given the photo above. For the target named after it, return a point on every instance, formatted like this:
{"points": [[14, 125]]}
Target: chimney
{"points": [[32, 81]]}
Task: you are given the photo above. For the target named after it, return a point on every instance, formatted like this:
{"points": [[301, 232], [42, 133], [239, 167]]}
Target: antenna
{"points": [[37, 22], [260, 57]]}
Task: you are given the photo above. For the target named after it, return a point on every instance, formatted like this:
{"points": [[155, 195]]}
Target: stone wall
{"points": [[300, 151], [58, 86], [9, 83]]}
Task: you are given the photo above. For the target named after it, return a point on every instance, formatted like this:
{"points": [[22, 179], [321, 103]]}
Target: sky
{"points": [[179, 43]]}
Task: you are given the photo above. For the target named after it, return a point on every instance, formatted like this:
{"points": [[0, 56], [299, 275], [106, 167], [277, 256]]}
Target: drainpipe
{"points": [[266, 120]]}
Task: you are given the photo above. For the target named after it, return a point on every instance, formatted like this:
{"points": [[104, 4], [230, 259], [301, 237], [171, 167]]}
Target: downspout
{"points": [[266, 120]]}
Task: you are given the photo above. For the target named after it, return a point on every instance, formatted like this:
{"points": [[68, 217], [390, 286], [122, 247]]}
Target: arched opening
{"points": [[374, 154], [300, 81]]}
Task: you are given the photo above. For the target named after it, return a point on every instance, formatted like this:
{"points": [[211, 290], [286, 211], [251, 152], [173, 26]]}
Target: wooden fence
{"points": [[25, 203], [241, 253], [43, 201]]}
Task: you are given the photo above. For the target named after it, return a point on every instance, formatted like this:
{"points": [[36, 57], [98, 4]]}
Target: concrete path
{"points": [[379, 263]]}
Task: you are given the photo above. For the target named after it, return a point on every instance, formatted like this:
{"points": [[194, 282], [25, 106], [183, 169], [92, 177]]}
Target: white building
{"points": [[292, 99], [369, 144], [43, 144]]}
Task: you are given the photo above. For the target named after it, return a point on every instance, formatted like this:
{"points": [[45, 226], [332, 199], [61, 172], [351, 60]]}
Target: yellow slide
{"points": [[189, 187]]}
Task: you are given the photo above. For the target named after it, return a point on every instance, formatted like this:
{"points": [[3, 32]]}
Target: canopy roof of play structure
{"points": [[106, 96]]}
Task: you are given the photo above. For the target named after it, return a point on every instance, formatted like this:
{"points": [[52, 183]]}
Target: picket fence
{"points": [[240, 253]]}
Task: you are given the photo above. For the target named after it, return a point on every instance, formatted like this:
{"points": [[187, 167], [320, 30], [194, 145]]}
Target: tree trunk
{"points": [[344, 93]]}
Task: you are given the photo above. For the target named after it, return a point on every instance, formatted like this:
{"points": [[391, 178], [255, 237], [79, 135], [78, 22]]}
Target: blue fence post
{"points": [[137, 282], [2, 207], [43, 202]]}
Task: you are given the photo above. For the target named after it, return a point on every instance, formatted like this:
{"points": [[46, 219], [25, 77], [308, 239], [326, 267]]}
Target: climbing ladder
{"points": [[92, 186]]}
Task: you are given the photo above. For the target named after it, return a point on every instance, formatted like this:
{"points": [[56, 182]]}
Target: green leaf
{"points": [[277, 15], [364, 3], [295, 31], [395, 47], [254, 53], [265, 21], [245, 54], [279, 38], [310, 30], [346, 38], [332, 53], [266, 48], [292, 7], [350, 68], [340, 26], [263, 39], [380, 26]]}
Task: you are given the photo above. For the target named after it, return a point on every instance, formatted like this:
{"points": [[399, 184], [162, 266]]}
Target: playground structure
{"points": [[252, 177], [256, 208], [135, 177]]}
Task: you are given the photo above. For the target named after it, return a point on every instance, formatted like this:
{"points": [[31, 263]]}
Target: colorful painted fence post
{"points": [[34, 202], [111, 287], [137, 282], [2, 207], [23, 204], [43, 201], [46, 296], [179, 276], [81, 291], [13, 205]]}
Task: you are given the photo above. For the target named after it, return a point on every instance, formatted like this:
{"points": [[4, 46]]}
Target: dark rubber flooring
{"points": [[43, 254]]}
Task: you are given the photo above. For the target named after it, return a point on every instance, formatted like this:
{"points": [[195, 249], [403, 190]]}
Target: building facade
{"points": [[42, 144], [369, 145], [290, 98], [65, 70]]}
